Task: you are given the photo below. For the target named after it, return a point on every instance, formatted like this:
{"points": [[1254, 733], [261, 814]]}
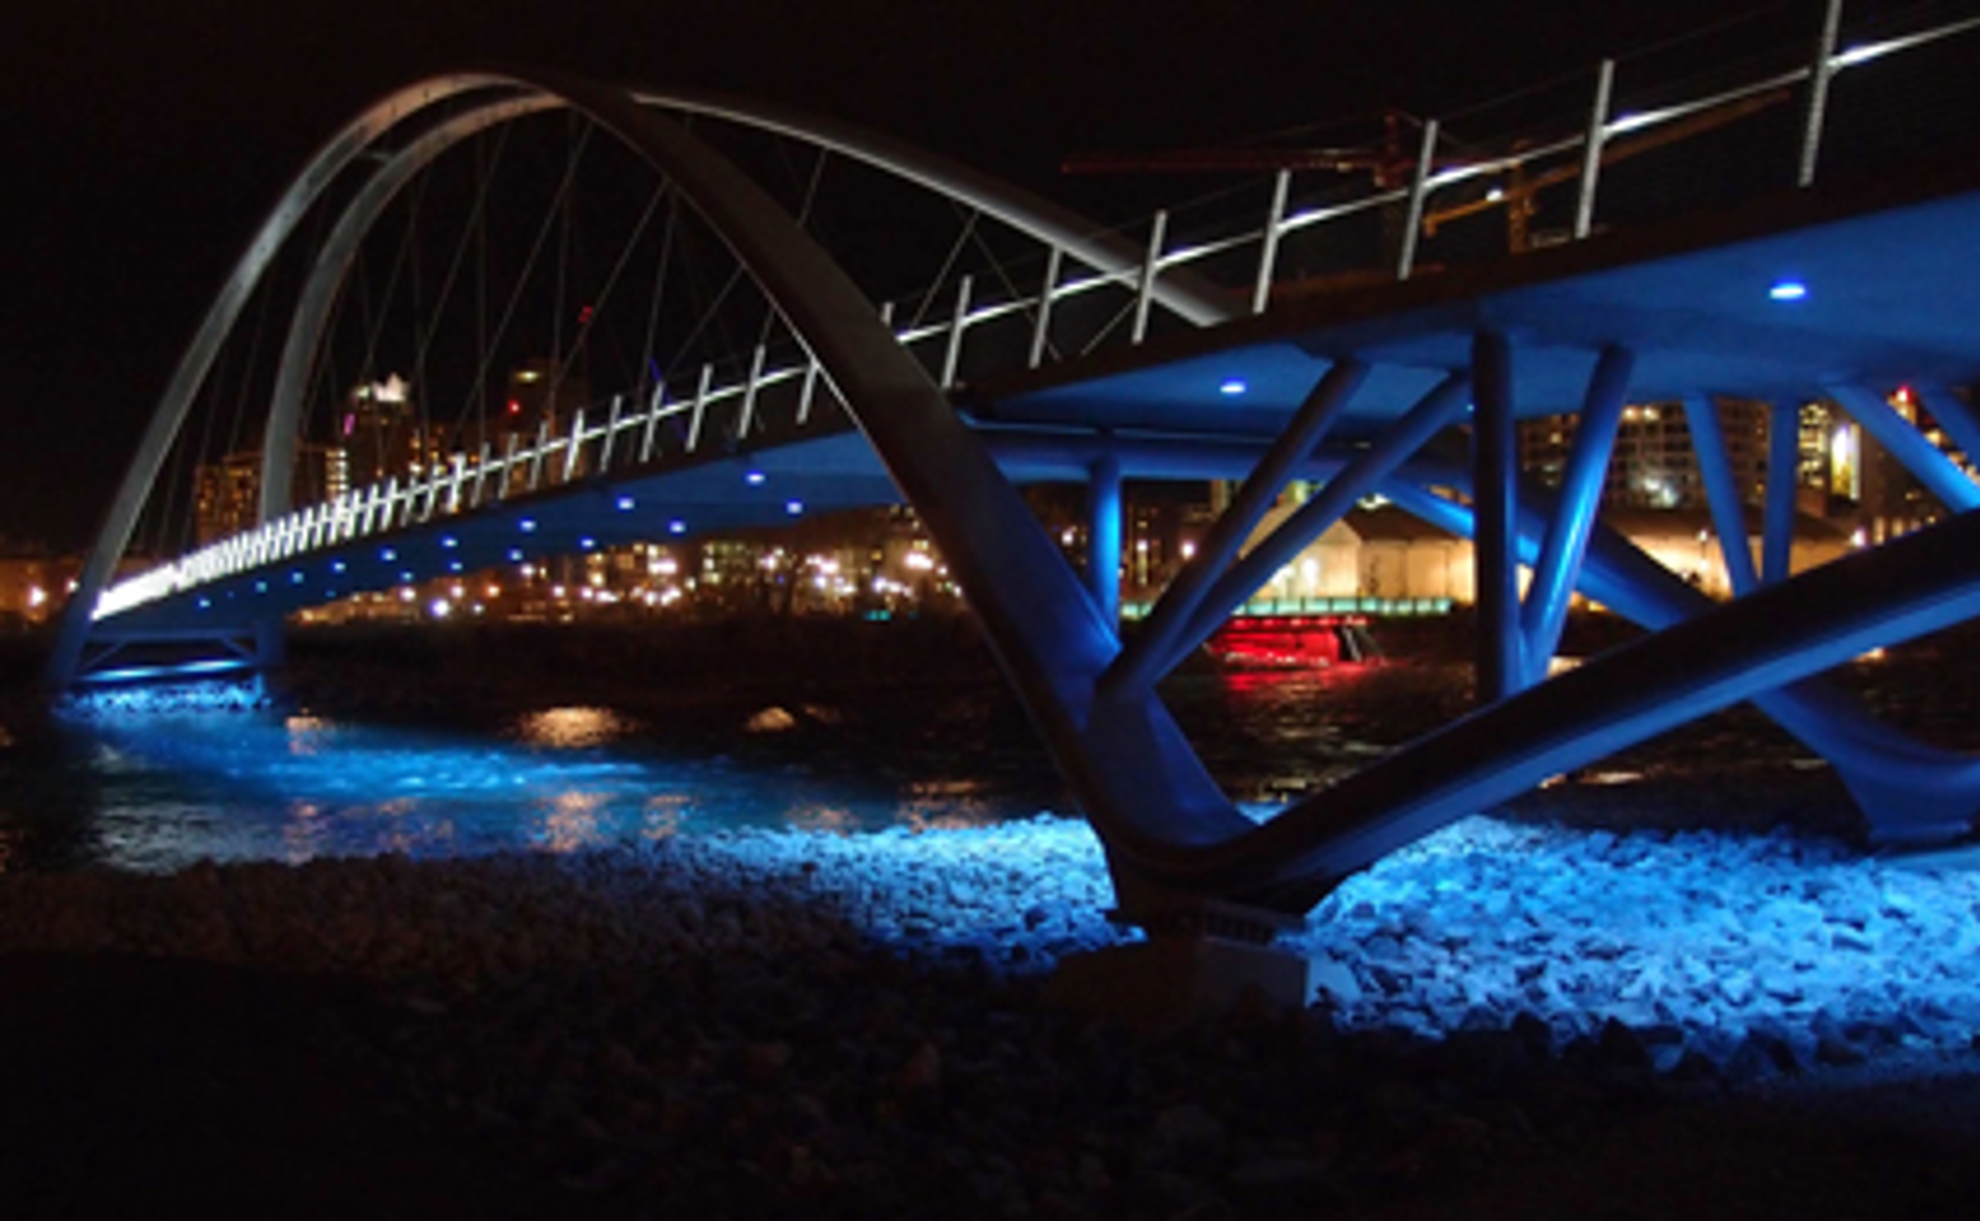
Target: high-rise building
{"points": [[227, 493], [383, 435], [541, 394], [1653, 465]]}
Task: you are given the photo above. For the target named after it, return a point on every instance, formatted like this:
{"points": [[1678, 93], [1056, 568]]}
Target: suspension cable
{"points": [[522, 281]]}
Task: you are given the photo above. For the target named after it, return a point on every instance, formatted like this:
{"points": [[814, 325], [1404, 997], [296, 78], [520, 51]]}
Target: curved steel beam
{"points": [[1777, 636], [319, 294], [1048, 222], [1909, 791], [1132, 769], [330, 161], [1188, 295]]}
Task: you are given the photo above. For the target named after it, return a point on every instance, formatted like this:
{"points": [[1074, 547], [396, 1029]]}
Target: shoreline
{"points": [[769, 1024], [802, 1024]]}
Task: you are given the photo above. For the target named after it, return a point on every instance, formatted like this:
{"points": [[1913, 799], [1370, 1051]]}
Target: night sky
{"points": [[144, 141]]}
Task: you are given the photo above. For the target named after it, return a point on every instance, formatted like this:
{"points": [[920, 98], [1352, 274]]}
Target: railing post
{"points": [[480, 478], [1419, 189], [653, 406], [1158, 234], [459, 470], [1591, 150], [1041, 323], [536, 456], [508, 466], [572, 453], [700, 404], [749, 393], [1819, 73], [1268, 253], [805, 391], [952, 355], [611, 434]]}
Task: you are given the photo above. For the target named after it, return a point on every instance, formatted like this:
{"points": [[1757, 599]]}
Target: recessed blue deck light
{"points": [[454, 566], [1787, 290], [295, 578], [677, 526], [528, 525], [388, 555], [588, 543], [1231, 387], [754, 478], [406, 577], [261, 587], [516, 554], [794, 507], [450, 542], [337, 566], [625, 504]]}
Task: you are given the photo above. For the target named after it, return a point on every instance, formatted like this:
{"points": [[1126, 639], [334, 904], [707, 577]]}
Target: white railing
{"points": [[635, 437]]}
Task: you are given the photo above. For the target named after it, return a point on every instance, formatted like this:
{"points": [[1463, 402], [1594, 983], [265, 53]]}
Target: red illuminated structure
{"points": [[1290, 642]]}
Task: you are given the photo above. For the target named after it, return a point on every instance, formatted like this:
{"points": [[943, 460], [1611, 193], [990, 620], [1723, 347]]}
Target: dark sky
{"points": [[144, 140]]}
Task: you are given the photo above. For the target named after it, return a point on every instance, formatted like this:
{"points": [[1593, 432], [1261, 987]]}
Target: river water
{"points": [[154, 788], [157, 789]]}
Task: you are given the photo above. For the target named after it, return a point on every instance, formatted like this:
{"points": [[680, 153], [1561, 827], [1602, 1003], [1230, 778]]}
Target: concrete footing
{"points": [[1174, 978]]}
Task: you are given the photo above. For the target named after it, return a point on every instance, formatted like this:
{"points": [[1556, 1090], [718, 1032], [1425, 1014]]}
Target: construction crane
{"points": [[1390, 166]]}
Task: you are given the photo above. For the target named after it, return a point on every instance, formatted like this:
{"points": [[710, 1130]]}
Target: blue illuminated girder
{"points": [[1174, 841]]}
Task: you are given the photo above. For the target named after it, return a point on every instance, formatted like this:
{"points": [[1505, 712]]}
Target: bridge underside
{"points": [[1368, 393], [1891, 299]]}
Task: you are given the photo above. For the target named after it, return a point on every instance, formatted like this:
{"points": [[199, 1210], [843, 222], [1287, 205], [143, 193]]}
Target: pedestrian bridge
{"points": [[1379, 342]]}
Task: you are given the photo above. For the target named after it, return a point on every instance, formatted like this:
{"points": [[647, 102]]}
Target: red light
{"points": [[515, 408], [1279, 643], [1903, 395]]}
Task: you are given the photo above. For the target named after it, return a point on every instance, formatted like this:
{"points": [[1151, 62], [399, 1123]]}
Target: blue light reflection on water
{"points": [[143, 783], [168, 789]]}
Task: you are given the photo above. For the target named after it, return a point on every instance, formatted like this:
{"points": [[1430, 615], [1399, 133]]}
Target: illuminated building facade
{"points": [[1653, 465], [382, 434], [227, 493]]}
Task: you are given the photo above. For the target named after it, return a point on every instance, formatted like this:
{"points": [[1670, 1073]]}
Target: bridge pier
{"points": [[1209, 958], [1103, 536], [1494, 459]]}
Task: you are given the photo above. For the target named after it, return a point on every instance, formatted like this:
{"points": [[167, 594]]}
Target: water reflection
{"points": [[573, 728], [572, 822], [159, 791]]}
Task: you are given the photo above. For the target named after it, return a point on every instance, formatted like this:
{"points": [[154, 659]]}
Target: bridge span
{"points": [[1145, 356]]}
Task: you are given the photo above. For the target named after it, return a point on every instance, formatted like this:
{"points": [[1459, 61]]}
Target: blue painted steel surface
{"points": [[1664, 314], [1544, 615], [1495, 468]]}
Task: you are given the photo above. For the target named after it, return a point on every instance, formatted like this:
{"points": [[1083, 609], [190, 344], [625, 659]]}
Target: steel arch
{"points": [[1172, 837], [1028, 213]]}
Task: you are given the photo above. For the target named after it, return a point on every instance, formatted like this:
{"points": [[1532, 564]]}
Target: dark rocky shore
{"points": [[531, 1037], [662, 1034]]}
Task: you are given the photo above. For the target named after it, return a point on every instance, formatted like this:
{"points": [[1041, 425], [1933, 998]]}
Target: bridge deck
{"points": [[1893, 294], [1892, 272]]}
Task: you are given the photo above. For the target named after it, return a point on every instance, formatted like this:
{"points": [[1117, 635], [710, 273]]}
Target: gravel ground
{"points": [[772, 1026]]}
